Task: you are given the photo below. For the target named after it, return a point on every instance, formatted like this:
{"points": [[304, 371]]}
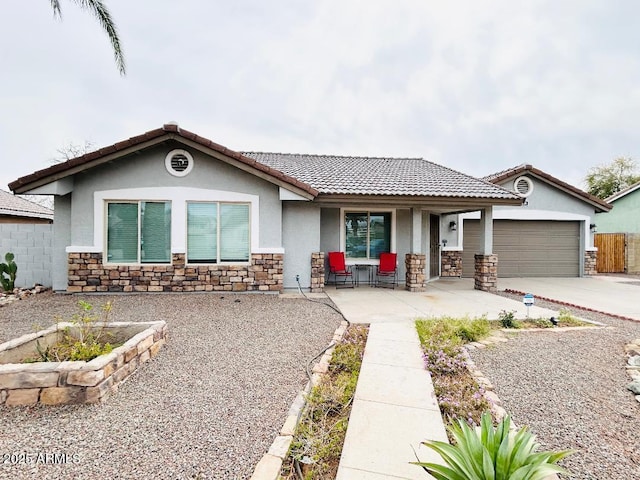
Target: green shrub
{"points": [[508, 319], [86, 340], [566, 319], [541, 323], [495, 454], [10, 269], [454, 331]]}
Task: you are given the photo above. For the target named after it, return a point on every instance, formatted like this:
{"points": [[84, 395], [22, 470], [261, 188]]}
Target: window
{"points": [[367, 234], [139, 232], [217, 232]]}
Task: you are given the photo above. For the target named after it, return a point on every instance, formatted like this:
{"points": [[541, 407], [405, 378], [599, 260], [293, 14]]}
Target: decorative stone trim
{"points": [[317, 272], [87, 273], [451, 263], [66, 383], [486, 273], [415, 264], [590, 259], [270, 465], [632, 351]]}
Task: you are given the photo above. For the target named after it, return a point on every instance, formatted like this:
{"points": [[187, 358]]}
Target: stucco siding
{"points": [[623, 218], [61, 239], [547, 197], [147, 170], [301, 238], [403, 238], [329, 229]]}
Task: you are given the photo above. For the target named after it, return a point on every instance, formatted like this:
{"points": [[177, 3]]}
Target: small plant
{"points": [[541, 323], [566, 319], [10, 269], [453, 330], [508, 319], [496, 454], [84, 341], [317, 444], [459, 395]]}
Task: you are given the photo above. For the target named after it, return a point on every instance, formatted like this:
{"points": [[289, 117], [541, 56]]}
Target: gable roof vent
{"points": [[178, 162], [523, 186]]}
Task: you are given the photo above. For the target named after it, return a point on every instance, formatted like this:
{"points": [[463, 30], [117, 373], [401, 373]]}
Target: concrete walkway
{"points": [[444, 297], [394, 410], [394, 407], [615, 295]]}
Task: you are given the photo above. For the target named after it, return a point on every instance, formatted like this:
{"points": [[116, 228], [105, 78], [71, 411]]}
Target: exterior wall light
{"points": [[593, 227], [453, 226]]}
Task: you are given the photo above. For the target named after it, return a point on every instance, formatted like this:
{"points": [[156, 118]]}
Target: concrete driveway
{"points": [[444, 297], [616, 295]]}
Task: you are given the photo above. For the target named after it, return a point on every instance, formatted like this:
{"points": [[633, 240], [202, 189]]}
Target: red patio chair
{"points": [[339, 269], [387, 271]]}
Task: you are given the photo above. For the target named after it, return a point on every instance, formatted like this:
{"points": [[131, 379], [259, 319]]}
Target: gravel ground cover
{"points": [[570, 388], [208, 406]]}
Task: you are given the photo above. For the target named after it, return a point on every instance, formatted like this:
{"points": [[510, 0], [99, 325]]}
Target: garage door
{"points": [[527, 248]]}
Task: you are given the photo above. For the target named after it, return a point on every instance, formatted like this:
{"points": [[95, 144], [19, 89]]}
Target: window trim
{"points": [[138, 262], [218, 228], [369, 211]]}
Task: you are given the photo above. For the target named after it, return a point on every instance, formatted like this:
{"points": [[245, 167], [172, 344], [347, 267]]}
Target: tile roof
{"points": [[312, 174], [332, 174], [152, 137], [20, 207], [503, 175]]}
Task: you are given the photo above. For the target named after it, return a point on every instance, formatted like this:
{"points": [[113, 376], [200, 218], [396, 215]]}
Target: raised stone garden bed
{"points": [[74, 382]]}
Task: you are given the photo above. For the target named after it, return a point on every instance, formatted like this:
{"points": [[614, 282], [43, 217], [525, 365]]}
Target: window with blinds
{"points": [[217, 232], [139, 232]]}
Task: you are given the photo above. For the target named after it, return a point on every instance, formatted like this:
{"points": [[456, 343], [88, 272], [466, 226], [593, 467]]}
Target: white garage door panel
{"points": [[527, 248]]}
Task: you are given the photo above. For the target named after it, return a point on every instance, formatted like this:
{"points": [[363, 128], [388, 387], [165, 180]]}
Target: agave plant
{"points": [[492, 454]]}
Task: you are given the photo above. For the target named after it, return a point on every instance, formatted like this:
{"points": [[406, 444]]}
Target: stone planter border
{"points": [[76, 382]]}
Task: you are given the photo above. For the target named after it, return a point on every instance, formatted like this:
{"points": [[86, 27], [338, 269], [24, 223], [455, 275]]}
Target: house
{"points": [[549, 234], [26, 230], [625, 217], [169, 210], [14, 209]]}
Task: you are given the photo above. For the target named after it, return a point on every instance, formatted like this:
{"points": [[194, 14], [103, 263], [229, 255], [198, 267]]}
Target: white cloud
{"points": [[479, 86]]}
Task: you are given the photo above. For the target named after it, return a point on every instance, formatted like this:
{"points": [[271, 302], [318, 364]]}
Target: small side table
{"points": [[361, 267]]}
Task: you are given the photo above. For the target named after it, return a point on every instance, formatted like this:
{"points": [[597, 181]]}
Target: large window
{"points": [[367, 234], [139, 232], [217, 232]]}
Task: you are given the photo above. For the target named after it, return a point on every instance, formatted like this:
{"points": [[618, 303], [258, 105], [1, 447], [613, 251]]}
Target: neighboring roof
{"points": [[311, 174], [332, 174], [500, 177], [150, 138], [20, 207], [624, 192]]}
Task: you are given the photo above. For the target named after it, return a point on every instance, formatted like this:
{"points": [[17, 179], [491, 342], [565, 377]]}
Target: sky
{"points": [[478, 86]]}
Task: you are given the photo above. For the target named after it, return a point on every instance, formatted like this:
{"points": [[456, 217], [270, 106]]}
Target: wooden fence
{"points": [[611, 252]]}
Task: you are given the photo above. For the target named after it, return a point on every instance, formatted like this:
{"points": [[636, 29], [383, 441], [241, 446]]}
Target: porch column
{"points": [[486, 263], [415, 261]]}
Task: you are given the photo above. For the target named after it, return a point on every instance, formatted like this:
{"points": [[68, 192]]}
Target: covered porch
{"points": [[417, 234]]}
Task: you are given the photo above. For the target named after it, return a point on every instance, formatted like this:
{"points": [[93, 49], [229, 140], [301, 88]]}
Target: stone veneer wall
{"points": [[451, 263], [415, 277], [87, 273], [317, 272], [486, 272], [590, 258], [75, 382]]}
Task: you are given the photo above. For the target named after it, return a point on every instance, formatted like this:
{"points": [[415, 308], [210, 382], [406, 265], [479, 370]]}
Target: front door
{"points": [[434, 246]]}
